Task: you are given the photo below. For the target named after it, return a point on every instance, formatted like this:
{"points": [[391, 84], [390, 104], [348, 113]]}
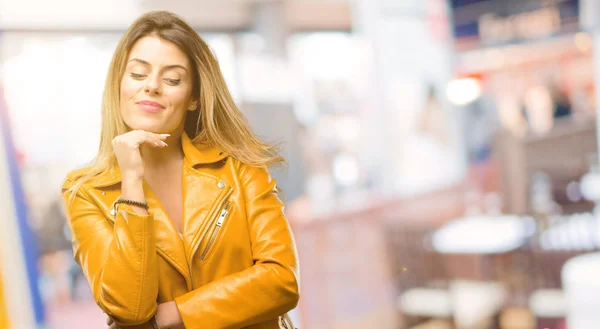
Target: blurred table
{"points": [[482, 247], [483, 235], [477, 252]]}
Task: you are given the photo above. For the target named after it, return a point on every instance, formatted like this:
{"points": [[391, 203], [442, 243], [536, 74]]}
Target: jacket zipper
{"points": [[218, 225], [191, 259]]}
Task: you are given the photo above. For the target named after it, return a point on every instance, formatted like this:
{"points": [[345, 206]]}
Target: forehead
{"points": [[157, 51]]}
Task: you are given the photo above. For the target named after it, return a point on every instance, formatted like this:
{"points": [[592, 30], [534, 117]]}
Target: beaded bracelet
{"points": [[131, 203]]}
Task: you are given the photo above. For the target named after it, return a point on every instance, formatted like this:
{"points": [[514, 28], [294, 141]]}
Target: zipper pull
{"points": [[222, 216]]}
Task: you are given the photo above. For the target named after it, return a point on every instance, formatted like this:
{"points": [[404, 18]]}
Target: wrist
{"points": [[132, 177], [167, 315], [132, 187]]}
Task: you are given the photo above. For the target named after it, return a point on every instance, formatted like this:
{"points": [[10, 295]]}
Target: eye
{"points": [[173, 82], [137, 76]]}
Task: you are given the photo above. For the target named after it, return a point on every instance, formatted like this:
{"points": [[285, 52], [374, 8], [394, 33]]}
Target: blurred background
{"points": [[443, 156]]}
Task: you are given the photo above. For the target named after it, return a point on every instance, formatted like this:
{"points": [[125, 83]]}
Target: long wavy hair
{"points": [[217, 122]]}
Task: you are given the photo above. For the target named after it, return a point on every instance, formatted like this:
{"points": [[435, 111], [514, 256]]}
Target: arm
{"points": [[264, 291], [119, 262]]}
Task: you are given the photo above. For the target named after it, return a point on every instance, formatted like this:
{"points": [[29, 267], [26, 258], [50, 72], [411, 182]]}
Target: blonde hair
{"points": [[217, 122]]}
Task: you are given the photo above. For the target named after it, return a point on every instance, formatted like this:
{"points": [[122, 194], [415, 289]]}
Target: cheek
{"points": [[128, 89], [180, 98]]}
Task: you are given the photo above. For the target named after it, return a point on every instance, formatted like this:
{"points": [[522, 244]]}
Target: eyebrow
{"points": [[166, 67]]}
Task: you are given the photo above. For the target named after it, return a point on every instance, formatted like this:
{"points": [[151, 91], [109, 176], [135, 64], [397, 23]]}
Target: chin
{"points": [[147, 125], [153, 127]]}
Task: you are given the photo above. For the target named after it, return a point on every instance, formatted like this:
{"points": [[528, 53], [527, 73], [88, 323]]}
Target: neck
{"points": [[158, 159]]}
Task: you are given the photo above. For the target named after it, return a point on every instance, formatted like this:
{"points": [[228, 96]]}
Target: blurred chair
{"points": [[476, 303], [424, 301], [547, 301], [582, 291], [559, 239]]}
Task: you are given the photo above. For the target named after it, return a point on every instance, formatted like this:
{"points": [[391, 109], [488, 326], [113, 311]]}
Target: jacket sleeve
{"points": [[118, 261], [264, 291]]}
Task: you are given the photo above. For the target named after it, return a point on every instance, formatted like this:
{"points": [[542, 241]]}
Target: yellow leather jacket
{"points": [[235, 265]]}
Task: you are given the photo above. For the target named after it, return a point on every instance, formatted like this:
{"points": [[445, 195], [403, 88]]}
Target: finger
{"points": [[138, 137], [151, 135], [160, 140], [109, 321], [159, 143], [157, 140]]}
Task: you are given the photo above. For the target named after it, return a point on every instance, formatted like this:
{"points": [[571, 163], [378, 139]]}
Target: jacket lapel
{"points": [[205, 196], [168, 242]]}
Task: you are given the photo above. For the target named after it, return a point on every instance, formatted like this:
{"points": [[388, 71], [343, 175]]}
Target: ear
{"points": [[193, 105]]}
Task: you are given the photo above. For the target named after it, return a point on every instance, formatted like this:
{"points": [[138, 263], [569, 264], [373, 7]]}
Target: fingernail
{"points": [[165, 144], [165, 135]]}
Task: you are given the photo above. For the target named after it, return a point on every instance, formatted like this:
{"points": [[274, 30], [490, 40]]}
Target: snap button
{"points": [[221, 185], [103, 192], [112, 211]]}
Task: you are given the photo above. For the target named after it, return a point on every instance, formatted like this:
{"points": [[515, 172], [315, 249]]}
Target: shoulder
{"points": [[255, 179], [74, 175], [247, 172]]}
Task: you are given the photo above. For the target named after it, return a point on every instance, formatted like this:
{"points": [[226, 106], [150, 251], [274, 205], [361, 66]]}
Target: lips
{"points": [[150, 106]]}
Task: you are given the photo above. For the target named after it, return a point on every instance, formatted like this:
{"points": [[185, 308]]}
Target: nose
{"points": [[152, 86]]}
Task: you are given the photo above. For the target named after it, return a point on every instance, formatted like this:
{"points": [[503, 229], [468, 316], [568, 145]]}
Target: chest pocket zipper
{"points": [[215, 234]]}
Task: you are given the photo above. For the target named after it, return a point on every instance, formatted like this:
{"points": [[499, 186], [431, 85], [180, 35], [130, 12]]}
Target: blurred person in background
{"points": [[433, 120], [544, 103], [430, 143], [560, 99], [539, 106], [55, 256], [177, 222]]}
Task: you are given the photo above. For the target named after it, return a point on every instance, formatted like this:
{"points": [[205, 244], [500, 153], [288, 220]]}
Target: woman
{"points": [[177, 223]]}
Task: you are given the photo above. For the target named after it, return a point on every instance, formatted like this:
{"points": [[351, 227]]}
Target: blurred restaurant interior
{"points": [[443, 167]]}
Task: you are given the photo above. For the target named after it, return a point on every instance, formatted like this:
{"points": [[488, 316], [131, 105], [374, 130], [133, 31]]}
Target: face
{"points": [[156, 88]]}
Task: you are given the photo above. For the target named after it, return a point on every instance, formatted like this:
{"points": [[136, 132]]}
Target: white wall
{"points": [[116, 14]]}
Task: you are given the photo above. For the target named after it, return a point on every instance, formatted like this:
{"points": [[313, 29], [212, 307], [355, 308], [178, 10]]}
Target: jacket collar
{"points": [[194, 154]]}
